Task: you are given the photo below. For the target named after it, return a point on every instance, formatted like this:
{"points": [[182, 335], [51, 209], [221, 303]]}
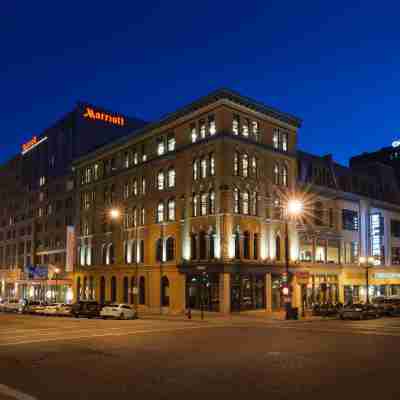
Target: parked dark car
{"points": [[359, 311], [389, 306], [326, 310], [89, 309]]}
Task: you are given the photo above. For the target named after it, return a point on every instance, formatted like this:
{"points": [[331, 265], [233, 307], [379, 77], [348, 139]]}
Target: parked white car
{"points": [[121, 311], [11, 305]]}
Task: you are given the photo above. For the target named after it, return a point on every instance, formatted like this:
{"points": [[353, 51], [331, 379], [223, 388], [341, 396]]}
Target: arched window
{"points": [[193, 133], [236, 164], [113, 289], [104, 254], [245, 165], [278, 247], [195, 205], [284, 140], [133, 285], [245, 127], [254, 166], [142, 216], [237, 245], [256, 246], [142, 251], [85, 289], [160, 180], [275, 138], [246, 245], [143, 186], [78, 288], [110, 254], [159, 250], [160, 212], [236, 200], [126, 290], [254, 203], [171, 210], [165, 291], [91, 288], [142, 290], [245, 207], [284, 175], [212, 164], [318, 213], [171, 177], [193, 246], [135, 187], [211, 204], [195, 170], [102, 290], [203, 164], [212, 246], [276, 174], [277, 214], [203, 245], [203, 204], [170, 249]]}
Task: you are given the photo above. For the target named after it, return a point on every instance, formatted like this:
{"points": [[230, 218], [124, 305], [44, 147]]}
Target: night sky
{"points": [[333, 65]]}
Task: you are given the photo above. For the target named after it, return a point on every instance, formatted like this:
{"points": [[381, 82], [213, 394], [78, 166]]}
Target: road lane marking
{"points": [[126, 333], [15, 394]]}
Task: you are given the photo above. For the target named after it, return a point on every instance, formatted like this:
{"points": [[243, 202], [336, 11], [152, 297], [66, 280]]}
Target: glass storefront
{"points": [[247, 292], [358, 293], [202, 291], [321, 289], [277, 296]]}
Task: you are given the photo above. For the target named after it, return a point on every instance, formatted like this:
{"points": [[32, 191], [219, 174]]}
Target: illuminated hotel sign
{"points": [[31, 144], [90, 113], [376, 233]]}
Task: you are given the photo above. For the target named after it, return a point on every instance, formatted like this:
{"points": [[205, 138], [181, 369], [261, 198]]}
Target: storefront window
{"points": [[277, 298], [202, 291], [247, 292]]}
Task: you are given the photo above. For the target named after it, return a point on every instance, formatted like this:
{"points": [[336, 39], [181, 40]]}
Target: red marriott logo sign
{"points": [[90, 113]]}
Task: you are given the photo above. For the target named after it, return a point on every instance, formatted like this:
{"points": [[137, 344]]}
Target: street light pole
{"points": [[367, 263], [288, 302], [161, 266]]}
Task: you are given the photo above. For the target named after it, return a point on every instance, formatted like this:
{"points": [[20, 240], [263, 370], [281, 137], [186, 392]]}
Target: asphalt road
{"points": [[53, 358]]}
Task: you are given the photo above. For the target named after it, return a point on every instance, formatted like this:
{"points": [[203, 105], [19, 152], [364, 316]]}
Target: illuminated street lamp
{"points": [[367, 263], [115, 214], [294, 209]]}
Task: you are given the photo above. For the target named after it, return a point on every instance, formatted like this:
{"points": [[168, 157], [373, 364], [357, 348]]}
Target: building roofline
{"points": [[219, 94]]}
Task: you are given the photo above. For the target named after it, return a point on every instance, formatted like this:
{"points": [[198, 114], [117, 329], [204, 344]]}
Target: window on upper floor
{"points": [[142, 216], [144, 153], [171, 210], [245, 127], [395, 228], [255, 130], [171, 177], [245, 202], [284, 175], [350, 220], [160, 146], [195, 170], [212, 128], [254, 166], [135, 187], [171, 142], [254, 203], [203, 204], [245, 165], [236, 164], [202, 128], [195, 205], [42, 180], [143, 186], [193, 133], [160, 212], [235, 124], [318, 213], [280, 140], [211, 198], [212, 164], [160, 180], [236, 200], [203, 165], [275, 173]]}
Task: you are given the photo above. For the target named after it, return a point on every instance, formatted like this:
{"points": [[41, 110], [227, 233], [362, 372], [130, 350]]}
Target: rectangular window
{"points": [[160, 146], [255, 130], [171, 142], [395, 228], [202, 125], [245, 128], [193, 133], [235, 124], [350, 220], [212, 129]]}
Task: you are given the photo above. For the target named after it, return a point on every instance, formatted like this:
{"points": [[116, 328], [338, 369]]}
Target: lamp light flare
{"points": [[362, 260], [114, 213], [294, 207]]}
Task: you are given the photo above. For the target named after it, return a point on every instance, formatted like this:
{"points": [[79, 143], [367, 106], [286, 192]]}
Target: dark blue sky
{"points": [[335, 66]]}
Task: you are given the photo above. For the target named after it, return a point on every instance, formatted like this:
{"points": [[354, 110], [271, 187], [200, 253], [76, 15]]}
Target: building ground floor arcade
{"points": [[231, 288]]}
